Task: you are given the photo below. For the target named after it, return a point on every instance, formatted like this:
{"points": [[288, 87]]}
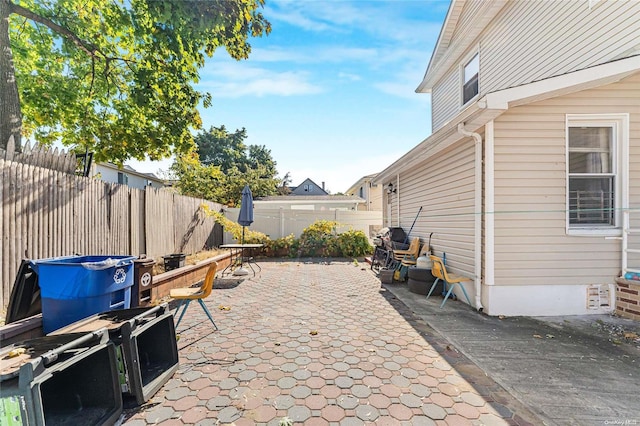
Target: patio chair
{"points": [[400, 255], [187, 294], [439, 270], [410, 260]]}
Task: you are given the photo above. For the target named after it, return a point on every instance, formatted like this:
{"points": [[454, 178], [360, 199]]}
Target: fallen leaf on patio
{"points": [[630, 335], [501, 317], [224, 308], [313, 332], [16, 352], [550, 336], [537, 336], [616, 342], [277, 343]]}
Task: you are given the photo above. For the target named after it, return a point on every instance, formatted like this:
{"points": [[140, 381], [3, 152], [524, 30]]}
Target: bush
{"points": [[353, 244], [318, 239]]}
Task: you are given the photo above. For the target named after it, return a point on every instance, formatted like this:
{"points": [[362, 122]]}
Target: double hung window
{"points": [[470, 79], [594, 165]]}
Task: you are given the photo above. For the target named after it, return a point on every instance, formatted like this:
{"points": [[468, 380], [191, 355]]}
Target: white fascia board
{"points": [[441, 63], [587, 78]]}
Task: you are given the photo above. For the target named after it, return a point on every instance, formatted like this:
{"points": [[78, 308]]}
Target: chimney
{"points": [[323, 185]]}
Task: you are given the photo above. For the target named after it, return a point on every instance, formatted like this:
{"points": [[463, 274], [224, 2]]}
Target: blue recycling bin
{"points": [[75, 287]]}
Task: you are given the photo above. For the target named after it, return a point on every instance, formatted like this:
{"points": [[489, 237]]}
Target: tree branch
{"points": [[66, 33]]}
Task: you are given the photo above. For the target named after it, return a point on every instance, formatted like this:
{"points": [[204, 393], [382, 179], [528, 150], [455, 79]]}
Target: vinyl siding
{"points": [[443, 186], [532, 40], [527, 42], [531, 245], [445, 101], [467, 18]]}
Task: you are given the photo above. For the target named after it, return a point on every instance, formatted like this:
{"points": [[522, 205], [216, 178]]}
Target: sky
{"points": [[331, 90]]}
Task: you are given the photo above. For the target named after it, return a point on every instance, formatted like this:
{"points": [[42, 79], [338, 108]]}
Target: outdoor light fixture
{"points": [[391, 189]]}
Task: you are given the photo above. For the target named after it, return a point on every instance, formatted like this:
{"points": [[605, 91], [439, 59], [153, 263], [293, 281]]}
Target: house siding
{"points": [[444, 186], [511, 54], [445, 100], [531, 244], [575, 37]]}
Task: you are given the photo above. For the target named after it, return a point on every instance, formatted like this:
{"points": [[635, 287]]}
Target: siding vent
{"points": [[598, 297]]}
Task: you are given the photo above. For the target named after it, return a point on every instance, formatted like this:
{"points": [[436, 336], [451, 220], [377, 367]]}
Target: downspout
{"points": [[398, 199], [477, 210]]}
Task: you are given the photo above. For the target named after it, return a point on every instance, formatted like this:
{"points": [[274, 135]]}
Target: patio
{"points": [[318, 342]]}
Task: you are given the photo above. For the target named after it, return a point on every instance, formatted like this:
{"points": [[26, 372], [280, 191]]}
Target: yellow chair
{"points": [[439, 270], [413, 250], [187, 294], [411, 260]]}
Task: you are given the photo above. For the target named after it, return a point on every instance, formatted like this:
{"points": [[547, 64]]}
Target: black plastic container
{"points": [[60, 380], [147, 339], [174, 261]]}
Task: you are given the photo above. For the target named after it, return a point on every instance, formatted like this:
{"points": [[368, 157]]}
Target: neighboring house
{"points": [[371, 192], [127, 176], [309, 202], [308, 187], [534, 160]]}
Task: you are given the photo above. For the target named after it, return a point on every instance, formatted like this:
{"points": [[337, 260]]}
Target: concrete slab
{"points": [[568, 370]]}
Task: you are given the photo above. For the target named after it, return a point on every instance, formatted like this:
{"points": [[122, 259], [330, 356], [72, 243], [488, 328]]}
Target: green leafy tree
{"points": [[114, 76], [194, 179], [240, 164]]}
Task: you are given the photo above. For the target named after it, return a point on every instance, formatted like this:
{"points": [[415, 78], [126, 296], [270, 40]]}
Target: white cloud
{"points": [[234, 80]]}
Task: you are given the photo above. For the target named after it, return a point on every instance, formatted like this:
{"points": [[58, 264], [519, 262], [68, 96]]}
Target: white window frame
{"points": [[620, 168], [468, 59]]}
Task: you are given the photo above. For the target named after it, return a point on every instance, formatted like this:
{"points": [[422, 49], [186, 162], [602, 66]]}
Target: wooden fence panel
{"points": [[47, 213]]}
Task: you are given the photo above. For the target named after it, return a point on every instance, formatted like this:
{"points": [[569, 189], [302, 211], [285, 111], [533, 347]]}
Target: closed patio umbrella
{"points": [[245, 218]]}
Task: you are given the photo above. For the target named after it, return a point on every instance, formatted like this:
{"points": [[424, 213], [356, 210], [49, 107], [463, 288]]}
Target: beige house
{"points": [[369, 191], [533, 165]]}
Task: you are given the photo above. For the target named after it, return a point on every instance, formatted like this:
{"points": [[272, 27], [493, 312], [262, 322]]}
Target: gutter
{"points": [[477, 216]]}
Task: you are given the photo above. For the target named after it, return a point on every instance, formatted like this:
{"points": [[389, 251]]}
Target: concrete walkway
{"points": [[323, 343], [574, 370]]}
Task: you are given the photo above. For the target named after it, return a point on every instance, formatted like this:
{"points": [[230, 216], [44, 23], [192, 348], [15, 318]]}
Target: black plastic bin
{"points": [[174, 261], [146, 338], [60, 380], [142, 281]]}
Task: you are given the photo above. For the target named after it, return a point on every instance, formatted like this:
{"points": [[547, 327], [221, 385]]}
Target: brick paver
{"points": [[314, 342]]}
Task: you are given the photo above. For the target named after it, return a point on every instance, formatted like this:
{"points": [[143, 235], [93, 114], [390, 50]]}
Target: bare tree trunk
{"points": [[10, 115]]}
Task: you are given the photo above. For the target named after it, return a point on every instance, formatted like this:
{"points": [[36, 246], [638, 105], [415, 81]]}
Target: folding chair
{"points": [[410, 260], [439, 270], [400, 255], [187, 294]]}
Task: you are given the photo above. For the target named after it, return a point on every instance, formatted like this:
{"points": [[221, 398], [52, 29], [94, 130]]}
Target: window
{"points": [[470, 79], [308, 188], [594, 171], [123, 178]]}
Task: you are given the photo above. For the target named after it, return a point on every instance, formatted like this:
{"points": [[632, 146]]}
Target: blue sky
{"points": [[331, 91]]}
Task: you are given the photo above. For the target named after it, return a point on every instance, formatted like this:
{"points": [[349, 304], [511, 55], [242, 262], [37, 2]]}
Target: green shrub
{"points": [[353, 244], [316, 239]]}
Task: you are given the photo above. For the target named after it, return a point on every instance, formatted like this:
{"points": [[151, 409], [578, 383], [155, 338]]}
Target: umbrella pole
{"points": [[242, 250]]}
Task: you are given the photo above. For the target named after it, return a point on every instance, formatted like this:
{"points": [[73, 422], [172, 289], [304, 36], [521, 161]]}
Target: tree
{"points": [[224, 149], [113, 76], [222, 165]]}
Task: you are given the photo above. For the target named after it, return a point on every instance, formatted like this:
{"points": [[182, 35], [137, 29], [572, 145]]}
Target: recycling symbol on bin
{"points": [[120, 276], [145, 279]]}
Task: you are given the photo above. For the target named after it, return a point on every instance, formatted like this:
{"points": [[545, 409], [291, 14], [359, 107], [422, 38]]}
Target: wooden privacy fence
{"points": [[48, 213]]}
